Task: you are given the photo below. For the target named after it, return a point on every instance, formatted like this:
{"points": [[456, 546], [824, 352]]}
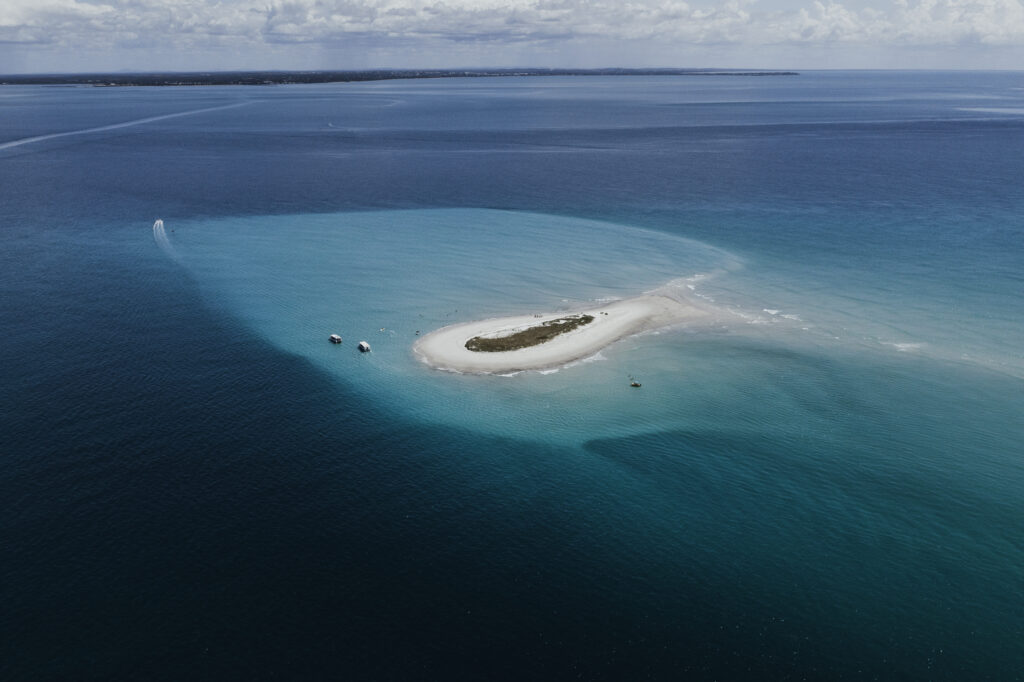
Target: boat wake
{"points": [[160, 236], [115, 126]]}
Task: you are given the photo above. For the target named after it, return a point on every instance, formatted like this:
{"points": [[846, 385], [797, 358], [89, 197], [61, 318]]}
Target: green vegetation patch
{"points": [[532, 336]]}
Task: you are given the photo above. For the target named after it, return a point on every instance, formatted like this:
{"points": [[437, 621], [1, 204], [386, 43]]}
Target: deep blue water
{"points": [[824, 484]]}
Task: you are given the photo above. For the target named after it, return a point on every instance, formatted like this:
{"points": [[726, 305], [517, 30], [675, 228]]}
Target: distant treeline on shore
{"points": [[284, 77]]}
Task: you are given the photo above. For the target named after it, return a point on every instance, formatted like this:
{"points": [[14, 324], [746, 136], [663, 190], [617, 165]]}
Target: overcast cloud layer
{"points": [[79, 35]]}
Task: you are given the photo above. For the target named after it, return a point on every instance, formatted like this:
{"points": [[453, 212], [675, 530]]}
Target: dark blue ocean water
{"points": [[826, 484]]}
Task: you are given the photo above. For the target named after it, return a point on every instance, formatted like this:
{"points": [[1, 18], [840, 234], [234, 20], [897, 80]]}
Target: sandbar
{"points": [[446, 347]]}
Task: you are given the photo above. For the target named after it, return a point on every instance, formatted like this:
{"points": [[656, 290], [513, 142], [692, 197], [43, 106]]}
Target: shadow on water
{"points": [[187, 501]]}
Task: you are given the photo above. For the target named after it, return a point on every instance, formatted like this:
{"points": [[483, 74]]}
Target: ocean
{"points": [[826, 483]]}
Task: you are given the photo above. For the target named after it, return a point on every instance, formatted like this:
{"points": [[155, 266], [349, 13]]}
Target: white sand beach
{"points": [[446, 347]]}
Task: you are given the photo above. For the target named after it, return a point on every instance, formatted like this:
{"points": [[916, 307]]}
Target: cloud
{"points": [[85, 24], [199, 24], [995, 22], [921, 23]]}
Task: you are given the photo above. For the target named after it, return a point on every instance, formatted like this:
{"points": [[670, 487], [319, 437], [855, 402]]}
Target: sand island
{"points": [[532, 342]]}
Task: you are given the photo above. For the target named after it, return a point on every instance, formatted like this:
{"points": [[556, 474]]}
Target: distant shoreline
{"points": [[194, 78]]}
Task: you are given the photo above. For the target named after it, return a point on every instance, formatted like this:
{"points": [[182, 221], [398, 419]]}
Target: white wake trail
{"points": [[115, 126], [160, 236]]}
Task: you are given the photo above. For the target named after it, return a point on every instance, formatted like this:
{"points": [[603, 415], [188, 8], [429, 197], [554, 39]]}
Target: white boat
{"points": [[364, 347], [335, 338]]}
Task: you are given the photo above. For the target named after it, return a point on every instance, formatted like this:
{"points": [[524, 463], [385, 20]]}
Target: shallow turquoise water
{"points": [[384, 276]]}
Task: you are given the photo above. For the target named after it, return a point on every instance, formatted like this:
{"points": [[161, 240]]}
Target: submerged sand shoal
{"points": [[446, 347]]}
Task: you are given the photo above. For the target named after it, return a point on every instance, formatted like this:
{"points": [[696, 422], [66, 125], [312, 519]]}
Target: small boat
{"points": [[335, 338], [634, 383], [364, 347]]}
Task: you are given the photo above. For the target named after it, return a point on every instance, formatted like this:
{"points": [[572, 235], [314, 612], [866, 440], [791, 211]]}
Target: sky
{"points": [[66, 36]]}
